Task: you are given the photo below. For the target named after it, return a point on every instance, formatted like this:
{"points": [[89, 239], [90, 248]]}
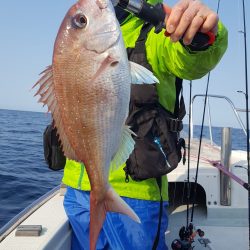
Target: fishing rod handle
{"points": [[155, 15]]}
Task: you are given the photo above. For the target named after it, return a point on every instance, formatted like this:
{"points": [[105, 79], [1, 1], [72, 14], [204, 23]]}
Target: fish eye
{"points": [[80, 21]]}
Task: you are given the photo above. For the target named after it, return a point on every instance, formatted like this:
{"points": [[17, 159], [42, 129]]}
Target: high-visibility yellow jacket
{"points": [[168, 61]]}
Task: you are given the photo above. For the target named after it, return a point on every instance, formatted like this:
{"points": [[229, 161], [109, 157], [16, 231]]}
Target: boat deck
{"points": [[225, 226], [221, 233]]}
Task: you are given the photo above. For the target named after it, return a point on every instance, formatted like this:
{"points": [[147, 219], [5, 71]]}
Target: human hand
{"points": [[187, 17]]}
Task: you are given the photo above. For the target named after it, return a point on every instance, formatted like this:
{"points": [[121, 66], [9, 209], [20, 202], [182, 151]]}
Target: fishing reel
{"points": [[187, 235]]}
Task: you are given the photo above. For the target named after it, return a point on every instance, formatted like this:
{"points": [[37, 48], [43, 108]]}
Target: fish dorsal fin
{"points": [[47, 97], [126, 147], [141, 75]]}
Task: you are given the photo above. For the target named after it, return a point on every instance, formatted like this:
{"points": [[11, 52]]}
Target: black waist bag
{"points": [[157, 146], [53, 153]]}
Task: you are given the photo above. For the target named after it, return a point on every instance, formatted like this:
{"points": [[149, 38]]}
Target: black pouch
{"points": [[157, 145], [53, 153], [146, 161], [154, 156]]}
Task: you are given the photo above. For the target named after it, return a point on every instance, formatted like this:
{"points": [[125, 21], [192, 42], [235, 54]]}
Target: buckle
{"points": [[175, 125]]}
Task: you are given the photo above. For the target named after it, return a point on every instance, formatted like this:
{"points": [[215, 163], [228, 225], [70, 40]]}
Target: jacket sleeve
{"points": [[173, 58]]}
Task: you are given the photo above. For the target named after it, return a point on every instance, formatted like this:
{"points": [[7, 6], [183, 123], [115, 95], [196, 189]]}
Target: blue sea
{"points": [[24, 175]]}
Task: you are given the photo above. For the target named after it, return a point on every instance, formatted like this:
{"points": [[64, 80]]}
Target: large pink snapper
{"points": [[87, 90]]}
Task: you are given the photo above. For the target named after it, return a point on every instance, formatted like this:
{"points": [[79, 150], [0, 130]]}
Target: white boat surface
{"points": [[48, 212], [225, 227]]}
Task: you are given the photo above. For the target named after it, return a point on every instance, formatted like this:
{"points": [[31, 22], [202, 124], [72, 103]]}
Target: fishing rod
{"points": [[189, 151], [223, 169], [247, 115], [199, 149], [218, 164], [201, 134], [188, 233]]}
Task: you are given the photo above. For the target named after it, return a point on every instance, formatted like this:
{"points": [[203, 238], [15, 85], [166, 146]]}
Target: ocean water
{"points": [[24, 175]]}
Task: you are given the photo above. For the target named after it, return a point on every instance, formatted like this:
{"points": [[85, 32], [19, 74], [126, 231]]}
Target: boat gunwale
{"points": [[25, 213]]}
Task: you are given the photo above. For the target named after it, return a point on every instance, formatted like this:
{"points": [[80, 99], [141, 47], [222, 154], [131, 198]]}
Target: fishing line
{"points": [[200, 139], [239, 24], [189, 149], [199, 149]]}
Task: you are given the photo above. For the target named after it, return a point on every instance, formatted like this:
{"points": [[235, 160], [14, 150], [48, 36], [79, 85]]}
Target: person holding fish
{"points": [[88, 88]]}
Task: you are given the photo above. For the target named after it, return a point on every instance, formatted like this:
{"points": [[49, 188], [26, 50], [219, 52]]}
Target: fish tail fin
{"points": [[97, 217], [113, 203]]}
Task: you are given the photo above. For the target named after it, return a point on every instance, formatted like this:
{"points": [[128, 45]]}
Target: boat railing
{"points": [[19, 218], [228, 100]]}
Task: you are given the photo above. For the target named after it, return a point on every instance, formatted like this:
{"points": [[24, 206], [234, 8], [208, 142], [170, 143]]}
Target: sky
{"points": [[27, 34]]}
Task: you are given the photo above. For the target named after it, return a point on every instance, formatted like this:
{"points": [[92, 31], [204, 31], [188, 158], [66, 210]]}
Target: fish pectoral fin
{"points": [[141, 75], [112, 202], [126, 147]]}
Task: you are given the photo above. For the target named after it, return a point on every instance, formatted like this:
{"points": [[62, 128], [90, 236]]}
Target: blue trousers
{"points": [[119, 232]]}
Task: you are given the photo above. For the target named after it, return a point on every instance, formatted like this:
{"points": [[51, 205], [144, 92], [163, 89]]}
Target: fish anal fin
{"points": [[114, 203]]}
